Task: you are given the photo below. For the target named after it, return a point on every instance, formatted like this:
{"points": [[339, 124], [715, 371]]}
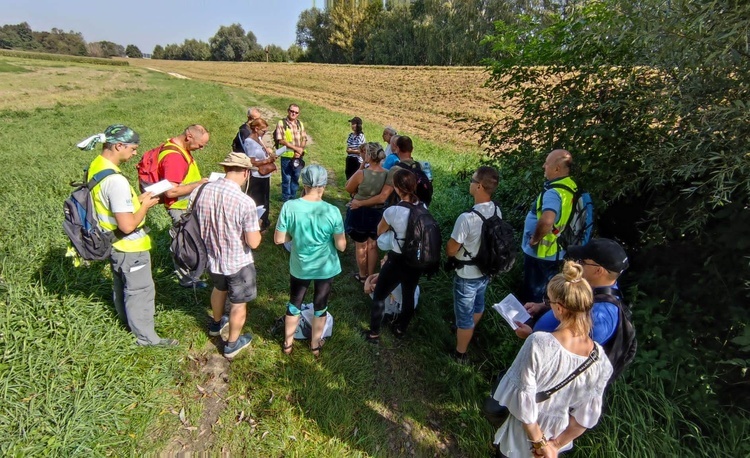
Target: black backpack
{"points": [[580, 225], [621, 347], [187, 246], [422, 241], [424, 185], [91, 242], [497, 246]]}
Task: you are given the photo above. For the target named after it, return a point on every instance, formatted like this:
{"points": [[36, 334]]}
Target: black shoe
{"points": [[460, 358], [370, 337], [397, 331]]}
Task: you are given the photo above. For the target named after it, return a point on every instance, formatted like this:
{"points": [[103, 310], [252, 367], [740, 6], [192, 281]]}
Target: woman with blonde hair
{"points": [[553, 390], [263, 157], [362, 223]]}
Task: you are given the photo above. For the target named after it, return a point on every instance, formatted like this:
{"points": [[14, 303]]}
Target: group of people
{"points": [[568, 327]]}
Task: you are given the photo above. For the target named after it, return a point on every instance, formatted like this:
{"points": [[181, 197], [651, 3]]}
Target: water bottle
{"points": [[427, 169]]}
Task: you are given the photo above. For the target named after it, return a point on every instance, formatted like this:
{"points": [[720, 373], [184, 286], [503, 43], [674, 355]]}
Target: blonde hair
{"points": [[574, 293], [374, 152]]}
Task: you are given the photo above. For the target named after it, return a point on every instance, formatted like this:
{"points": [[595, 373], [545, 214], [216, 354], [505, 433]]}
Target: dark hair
{"points": [[488, 177], [404, 144], [357, 127], [406, 182]]}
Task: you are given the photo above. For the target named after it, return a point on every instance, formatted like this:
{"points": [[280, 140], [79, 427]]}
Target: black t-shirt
{"points": [[244, 132]]}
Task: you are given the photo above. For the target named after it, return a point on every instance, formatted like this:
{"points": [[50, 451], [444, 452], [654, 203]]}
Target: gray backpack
{"points": [[90, 241], [187, 246]]}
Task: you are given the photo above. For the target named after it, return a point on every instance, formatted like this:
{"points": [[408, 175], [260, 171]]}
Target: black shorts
{"points": [[241, 285], [362, 224]]}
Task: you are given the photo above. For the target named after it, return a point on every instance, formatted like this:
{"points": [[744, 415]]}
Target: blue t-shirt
{"points": [[311, 226], [604, 319], [390, 161], [551, 200]]}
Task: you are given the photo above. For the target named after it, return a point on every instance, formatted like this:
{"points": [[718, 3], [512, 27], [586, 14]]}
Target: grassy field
{"points": [[73, 382], [423, 101]]}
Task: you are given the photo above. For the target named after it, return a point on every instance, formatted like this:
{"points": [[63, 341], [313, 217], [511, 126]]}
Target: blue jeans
{"points": [[536, 274], [289, 179], [468, 299]]}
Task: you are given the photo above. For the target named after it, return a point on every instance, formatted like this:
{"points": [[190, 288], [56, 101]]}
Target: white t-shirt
{"points": [[397, 217], [254, 150], [467, 232], [115, 194]]}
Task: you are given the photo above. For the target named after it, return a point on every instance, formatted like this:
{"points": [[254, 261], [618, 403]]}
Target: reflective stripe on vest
{"points": [[192, 175], [548, 245], [132, 243]]}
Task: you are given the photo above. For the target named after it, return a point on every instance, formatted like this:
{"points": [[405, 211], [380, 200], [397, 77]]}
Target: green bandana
{"points": [[116, 133]]}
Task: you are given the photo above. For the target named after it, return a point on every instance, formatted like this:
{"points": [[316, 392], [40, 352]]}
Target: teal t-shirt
{"points": [[311, 226]]}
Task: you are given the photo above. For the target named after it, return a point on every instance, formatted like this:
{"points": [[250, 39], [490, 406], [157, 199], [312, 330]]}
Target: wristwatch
{"points": [[541, 443]]}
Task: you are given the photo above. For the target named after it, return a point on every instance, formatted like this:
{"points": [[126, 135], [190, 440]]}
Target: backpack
{"points": [[497, 247], [580, 225], [304, 326], [148, 168], [422, 241], [91, 242], [622, 346], [187, 246], [424, 184]]}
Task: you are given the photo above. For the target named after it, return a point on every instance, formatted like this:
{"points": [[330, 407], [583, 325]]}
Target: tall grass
{"points": [[74, 383]]}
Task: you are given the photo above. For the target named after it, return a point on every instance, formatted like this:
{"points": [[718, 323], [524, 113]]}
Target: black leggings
{"points": [[394, 271], [298, 288], [352, 165], [259, 189]]}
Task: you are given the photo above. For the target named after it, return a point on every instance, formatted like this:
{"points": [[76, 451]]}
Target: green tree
{"points": [[231, 43], [158, 52], [133, 52], [294, 53], [195, 50], [19, 36]]}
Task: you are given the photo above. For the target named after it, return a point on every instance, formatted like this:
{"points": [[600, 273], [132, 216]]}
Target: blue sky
{"points": [[148, 23]]}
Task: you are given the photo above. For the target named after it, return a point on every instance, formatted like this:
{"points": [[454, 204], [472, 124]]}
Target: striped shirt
{"points": [[225, 214], [354, 141]]}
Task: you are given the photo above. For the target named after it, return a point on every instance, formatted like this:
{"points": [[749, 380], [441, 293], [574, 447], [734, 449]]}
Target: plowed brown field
{"points": [[416, 100]]}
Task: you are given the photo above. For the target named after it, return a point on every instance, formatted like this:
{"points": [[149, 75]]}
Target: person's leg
{"points": [[286, 177], [320, 306], [468, 305], [372, 256], [138, 295], [118, 288], [536, 275], [352, 165], [265, 185], [297, 290], [360, 253], [409, 282], [294, 180], [387, 282], [241, 290]]}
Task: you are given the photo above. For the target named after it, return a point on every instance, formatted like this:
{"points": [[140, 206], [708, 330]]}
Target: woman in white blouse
{"points": [[546, 359], [259, 186]]}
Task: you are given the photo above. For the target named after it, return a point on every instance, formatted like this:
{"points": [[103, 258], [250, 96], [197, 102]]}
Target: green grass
{"points": [[6, 67], [74, 383], [62, 57]]}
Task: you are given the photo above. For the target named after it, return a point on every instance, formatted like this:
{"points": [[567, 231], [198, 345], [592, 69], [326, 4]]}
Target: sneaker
{"points": [[231, 350], [217, 328], [460, 358], [196, 284], [167, 343]]}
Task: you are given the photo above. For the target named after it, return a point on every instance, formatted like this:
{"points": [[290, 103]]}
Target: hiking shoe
{"points": [[167, 343], [231, 350], [216, 328]]}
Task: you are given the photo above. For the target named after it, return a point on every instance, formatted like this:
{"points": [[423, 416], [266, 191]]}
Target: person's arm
{"points": [[180, 190], [354, 182], [383, 226], [339, 241], [281, 237], [127, 222], [543, 226], [572, 432], [452, 247], [374, 200], [253, 239], [535, 434]]}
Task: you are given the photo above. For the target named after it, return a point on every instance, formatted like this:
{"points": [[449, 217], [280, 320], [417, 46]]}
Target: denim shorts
{"points": [[468, 299], [241, 285]]}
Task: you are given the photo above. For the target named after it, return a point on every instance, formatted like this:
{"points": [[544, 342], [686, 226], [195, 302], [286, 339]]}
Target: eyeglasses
{"points": [[584, 263], [293, 112], [548, 303], [473, 180]]}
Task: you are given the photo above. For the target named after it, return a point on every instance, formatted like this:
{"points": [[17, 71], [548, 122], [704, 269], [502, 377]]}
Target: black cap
{"points": [[605, 252], [356, 120]]}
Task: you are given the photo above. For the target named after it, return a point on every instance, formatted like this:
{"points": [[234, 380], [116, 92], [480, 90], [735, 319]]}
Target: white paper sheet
{"points": [[261, 210], [159, 188], [216, 175], [512, 310]]}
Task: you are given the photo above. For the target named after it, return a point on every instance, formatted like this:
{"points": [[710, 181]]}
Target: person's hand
{"points": [[203, 180], [548, 451], [148, 199], [523, 330], [370, 283], [533, 307], [355, 204]]}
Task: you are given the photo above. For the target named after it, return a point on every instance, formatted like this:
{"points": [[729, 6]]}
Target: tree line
{"points": [[21, 37]]}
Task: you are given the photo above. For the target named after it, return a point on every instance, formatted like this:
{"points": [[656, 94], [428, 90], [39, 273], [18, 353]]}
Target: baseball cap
{"points": [[605, 252], [356, 120], [240, 160]]}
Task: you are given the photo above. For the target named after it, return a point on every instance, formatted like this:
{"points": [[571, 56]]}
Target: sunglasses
{"points": [[293, 112]]}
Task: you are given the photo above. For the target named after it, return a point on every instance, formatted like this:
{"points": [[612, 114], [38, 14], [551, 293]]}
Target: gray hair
{"points": [[374, 152], [251, 110], [390, 130]]}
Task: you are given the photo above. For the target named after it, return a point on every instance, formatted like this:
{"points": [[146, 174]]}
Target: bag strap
{"points": [[197, 196], [468, 253], [593, 357], [98, 177]]}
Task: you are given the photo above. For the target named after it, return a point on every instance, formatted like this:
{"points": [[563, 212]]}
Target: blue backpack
{"points": [[580, 225]]}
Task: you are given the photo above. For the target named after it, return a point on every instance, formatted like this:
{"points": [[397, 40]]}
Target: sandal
{"points": [[360, 278], [287, 349], [370, 337]]}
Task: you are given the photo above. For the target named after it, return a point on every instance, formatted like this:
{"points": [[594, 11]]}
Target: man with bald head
{"points": [[244, 131], [549, 213]]}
